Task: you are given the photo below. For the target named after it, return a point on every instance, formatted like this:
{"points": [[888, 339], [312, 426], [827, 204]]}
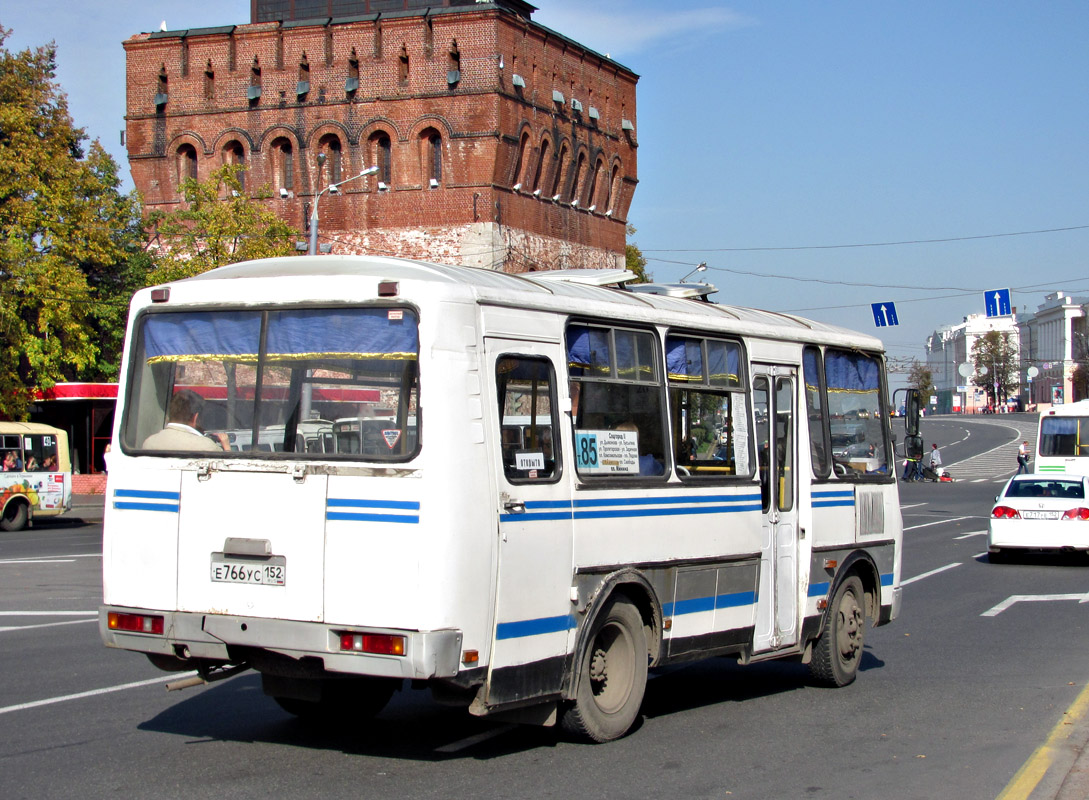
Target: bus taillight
{"points": [[134, 623], [383, 644]]}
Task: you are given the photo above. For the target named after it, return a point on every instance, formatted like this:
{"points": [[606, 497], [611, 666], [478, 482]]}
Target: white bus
{"points": [[1062, 443], [672, 492]]}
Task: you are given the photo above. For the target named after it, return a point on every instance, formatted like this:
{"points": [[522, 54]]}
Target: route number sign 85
{"points": [[586, 451]]}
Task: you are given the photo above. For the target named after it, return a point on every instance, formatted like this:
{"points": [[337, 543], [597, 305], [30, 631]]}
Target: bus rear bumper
{"points": [[216, 637]]}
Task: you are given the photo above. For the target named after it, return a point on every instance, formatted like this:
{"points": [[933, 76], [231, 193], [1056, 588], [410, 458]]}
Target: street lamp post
{"points": [[332, 189]]}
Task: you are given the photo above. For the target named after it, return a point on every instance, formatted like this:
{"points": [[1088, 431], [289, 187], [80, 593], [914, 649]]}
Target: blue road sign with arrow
{"points": [[884, 314], [998, 303]]}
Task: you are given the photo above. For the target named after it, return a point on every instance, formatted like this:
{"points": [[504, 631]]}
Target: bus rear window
{"points": [[318, 383]]}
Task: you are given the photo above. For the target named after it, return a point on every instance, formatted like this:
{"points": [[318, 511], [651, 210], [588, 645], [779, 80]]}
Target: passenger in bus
{"points": [[11, 462], [649, 464], [182, 430], [49, 463], [32, 464]]}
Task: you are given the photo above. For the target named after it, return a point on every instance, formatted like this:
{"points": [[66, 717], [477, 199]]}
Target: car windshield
{"points": [[1046, 487]]}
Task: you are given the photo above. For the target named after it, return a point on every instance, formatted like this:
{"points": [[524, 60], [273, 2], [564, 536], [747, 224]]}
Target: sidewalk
{"points": [[88, 506]]}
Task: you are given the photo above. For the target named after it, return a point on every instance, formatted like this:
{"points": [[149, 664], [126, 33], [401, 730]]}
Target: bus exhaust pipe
{"points": [[207, 675]]}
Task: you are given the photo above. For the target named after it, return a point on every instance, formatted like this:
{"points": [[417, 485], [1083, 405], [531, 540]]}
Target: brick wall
{"points": [[89, 484], [526, 182]]}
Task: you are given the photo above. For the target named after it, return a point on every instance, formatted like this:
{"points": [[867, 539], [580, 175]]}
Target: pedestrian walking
{"points": [[1022, 457], [935, 457]]}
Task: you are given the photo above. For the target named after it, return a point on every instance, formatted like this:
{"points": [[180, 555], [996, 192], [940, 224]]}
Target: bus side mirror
{"points": [[913, 447], [911, 409]]}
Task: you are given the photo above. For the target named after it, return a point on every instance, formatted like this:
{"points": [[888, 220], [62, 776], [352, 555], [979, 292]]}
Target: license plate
{"points": [[261, 574], [1040, 514]]}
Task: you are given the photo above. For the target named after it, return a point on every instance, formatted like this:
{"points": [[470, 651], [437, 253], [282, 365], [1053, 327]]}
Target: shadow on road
{"points": [[416, 728]]}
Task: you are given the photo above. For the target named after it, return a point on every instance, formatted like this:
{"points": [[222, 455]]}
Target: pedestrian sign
{"points": [[998, 303], [884, 314]]}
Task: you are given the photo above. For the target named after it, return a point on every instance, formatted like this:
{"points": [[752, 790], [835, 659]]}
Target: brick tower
{"points": [[499, 143]]}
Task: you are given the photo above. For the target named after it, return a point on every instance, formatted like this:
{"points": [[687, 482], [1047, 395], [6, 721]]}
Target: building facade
{"points": [[1054, 351], [499, 143], [949, 359]]}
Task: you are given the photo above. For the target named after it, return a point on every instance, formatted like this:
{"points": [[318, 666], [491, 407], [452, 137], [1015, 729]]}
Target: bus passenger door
{"points": [[776, 419], [533, 614]]}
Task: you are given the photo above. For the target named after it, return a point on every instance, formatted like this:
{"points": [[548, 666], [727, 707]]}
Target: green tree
{"points": [[996, 365], [61, 221], [634, 260], [921, 378], [219, 224]]}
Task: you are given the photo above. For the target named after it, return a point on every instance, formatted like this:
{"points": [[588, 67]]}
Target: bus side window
{"points": [[708, 407], [617, 402], [526, 388]]}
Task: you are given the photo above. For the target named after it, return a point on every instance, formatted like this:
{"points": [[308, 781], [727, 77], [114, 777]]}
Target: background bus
{"points": [[36, 476], [1062, 445]]}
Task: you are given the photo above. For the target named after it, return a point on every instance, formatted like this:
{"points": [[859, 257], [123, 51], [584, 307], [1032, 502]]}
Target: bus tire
{"points": [[15, 516], [838, 651], [611, 676], [343, 701]]}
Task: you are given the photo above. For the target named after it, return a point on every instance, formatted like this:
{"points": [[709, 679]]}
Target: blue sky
{"points": [[780, 140]]}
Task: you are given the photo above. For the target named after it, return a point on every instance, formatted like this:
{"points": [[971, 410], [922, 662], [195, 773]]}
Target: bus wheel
{"points": [[15, 516], [612, 676], [343, 701], [838, 651]]}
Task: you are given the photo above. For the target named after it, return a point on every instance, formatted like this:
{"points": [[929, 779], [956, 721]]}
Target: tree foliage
{"points": [[921, 378], [218, 225], [997, 366], [634, 260], [64, 232]]}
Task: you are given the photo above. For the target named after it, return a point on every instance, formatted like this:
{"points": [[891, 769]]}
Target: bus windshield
{"points": [[268, 382], [1064, 436]]}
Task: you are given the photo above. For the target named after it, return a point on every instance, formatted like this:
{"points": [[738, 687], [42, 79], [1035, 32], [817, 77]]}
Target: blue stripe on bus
{"points": [[534, 627], [667, 500], [119, 504], [344, 516], [617, 508], [370, 510], [140, 498], [833, 499], [347, 502], [886, 579], [663, 512], [819, 589], [698, 604], [147, 494]]}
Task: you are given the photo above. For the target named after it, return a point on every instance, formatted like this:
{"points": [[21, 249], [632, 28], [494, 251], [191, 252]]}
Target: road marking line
{"points": [[94, 692], [969, 535], [928, 574], [1025, 780], [67, 559], [1032, 598], [936, 522], [469, 741], [9, 628]]}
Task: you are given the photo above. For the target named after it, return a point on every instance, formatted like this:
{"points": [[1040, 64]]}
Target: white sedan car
{"points": [[1040, 512]]}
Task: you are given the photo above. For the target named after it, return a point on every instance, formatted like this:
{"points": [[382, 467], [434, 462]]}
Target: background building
{"points": [[949, 348], [1053, 343], [500, 143]]}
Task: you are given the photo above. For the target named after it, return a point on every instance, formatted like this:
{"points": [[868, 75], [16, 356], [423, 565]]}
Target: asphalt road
{"points": [[953, 699]]}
